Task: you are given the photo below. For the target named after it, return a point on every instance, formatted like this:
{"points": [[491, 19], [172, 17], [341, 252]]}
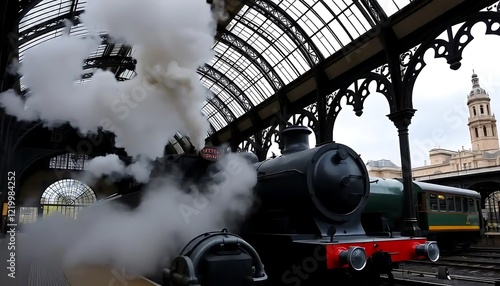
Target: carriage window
{"points": [[442, 203], [472, 207], [458, 204], [465, 205], [433, 202], [450, 203]]}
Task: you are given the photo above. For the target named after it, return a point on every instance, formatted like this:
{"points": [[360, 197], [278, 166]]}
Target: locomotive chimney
{"points": [[295, 138]]}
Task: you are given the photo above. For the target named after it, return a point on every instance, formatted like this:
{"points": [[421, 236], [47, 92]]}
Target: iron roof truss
{"points": [[254, 56], [242, 74]]}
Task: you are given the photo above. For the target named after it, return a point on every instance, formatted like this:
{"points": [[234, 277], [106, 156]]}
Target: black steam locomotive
{"points": [[306, 226]]}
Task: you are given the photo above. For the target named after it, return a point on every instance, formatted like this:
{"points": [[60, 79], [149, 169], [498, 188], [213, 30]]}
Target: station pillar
{"points": [[402, 120]]}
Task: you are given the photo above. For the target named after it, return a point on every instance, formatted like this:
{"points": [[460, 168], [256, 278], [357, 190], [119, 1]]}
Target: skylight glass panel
{"points": [[99, 52], [393, 6], [43, 11], [216, 119], [116, 50], [322, 22], [240, 71], [224, 95], [209, 109], [80, 5], [127, 74], [37, 41], [272, 43], [79, 31]]}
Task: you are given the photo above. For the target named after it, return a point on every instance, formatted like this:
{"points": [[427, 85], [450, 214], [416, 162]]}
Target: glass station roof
{"points": [[266, 45]]}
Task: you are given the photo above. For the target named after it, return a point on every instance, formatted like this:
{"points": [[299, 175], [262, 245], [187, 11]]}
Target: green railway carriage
{"points": [[449, 215], [446, 214]]}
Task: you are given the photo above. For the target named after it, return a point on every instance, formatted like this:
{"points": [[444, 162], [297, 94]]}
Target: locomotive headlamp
{"points": [[429, 249], [355, 256]]}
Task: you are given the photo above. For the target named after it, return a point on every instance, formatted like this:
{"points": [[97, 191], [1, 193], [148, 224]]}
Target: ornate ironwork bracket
{"points": [[357, 96], [450, 49]]}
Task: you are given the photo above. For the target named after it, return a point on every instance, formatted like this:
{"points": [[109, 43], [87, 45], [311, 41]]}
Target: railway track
{"points": [[477, 249], [414, 282], [474, 267], [461, 263], [413, 277]]}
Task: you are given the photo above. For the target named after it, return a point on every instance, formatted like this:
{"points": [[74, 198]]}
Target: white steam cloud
{"points": [[144, 240], [171, 38], [112, 166]]}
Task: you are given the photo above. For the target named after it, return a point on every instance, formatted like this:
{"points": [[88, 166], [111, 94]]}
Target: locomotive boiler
{"points": [[323, 189]]}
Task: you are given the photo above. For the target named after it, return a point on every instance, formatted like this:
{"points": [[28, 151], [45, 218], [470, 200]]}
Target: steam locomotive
{"points": [[306, 227]]}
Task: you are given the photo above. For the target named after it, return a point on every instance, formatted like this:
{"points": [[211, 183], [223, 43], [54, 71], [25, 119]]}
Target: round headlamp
{"points": [[429, 249], [355, 257]]}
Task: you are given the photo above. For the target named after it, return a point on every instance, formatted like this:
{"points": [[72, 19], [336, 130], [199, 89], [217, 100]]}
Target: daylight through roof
{"points": [[264, 47]]}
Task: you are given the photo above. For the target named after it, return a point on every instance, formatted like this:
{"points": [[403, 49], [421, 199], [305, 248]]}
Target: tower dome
{"points": [[477, 90], [482, 122]]}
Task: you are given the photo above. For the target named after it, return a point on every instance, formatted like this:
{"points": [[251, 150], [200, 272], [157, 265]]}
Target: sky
{"points": [[440, 98]]}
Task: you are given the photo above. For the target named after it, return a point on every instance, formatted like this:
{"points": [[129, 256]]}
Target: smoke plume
{"points": [[171, 39], [112, 166], [144, 240]]}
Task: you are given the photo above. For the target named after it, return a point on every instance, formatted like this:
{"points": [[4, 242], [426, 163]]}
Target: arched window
{"points": [[484, 130], [69, 162], [474, 110], [67, 196], [477, 132], [481, 109]]}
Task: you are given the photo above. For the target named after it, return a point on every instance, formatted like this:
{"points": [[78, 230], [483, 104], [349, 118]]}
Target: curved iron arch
{"points": [[254, 57], [222, 108], [258, 30], [238, 94], [281, 19], [215, 75], [48, 26], [335, 16], [357, 96], [450, 50], [241, 72], [375, 11], [26, 6]]}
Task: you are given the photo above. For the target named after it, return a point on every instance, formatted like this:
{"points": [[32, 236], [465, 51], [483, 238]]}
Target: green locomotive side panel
{"points": [[386, 199]]}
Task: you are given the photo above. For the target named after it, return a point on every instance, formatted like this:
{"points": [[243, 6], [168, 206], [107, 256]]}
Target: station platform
{"points": [[87, 275], [490, 239], [492, 233], [16, 272]]}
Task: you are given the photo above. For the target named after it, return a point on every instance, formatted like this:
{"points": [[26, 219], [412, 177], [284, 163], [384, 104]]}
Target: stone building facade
{"points": [[485, 151]]}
